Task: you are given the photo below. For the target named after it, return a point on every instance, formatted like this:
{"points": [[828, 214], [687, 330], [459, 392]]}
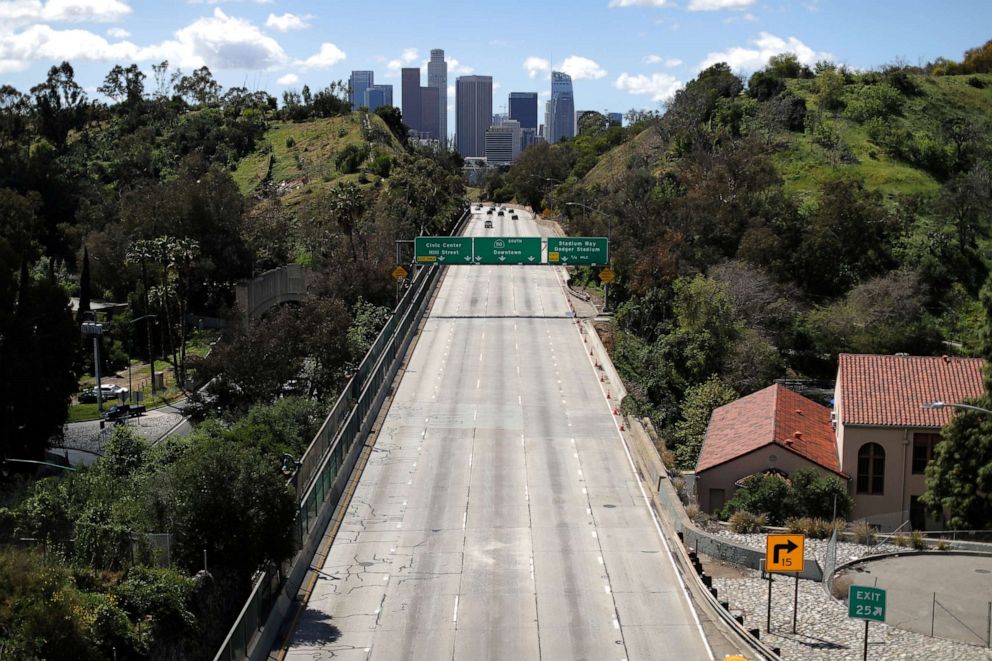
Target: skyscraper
{"points": [[437, 77], [358, 83], [377, 96], [410, 81], [523, 108], [562, 107], [473, 113], [428, 113]]}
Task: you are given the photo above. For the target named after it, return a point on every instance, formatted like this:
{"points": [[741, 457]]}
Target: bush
{"points": [[864, 533], [899, 539], [943, 545], [745, 522], [762, 494], [976, 82], [351, 158], [290, 142], [811, 527], [873, 101], [917, 540], [382, 165], [814, 494]]}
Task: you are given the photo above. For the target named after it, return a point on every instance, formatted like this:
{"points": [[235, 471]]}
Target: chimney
{"points": [[946, 359], [798, 435]]}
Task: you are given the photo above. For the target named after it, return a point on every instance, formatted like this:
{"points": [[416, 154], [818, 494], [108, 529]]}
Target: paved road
{"points": [[499, 516]]}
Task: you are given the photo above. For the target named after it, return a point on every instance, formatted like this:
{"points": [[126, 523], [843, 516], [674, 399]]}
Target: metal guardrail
{"points": [[326, 466]]}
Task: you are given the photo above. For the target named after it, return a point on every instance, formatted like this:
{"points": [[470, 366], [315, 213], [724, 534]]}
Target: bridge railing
{"points": [[325, 469]]}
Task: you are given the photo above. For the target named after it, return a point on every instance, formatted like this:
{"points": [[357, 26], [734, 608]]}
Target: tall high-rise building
{"points": [[378, 96], [437, 77], [473, 113], [428, 114], [615, 118], [523, 108], [358, 83], [410, 81], [562, 107], [546, 126], [499, 118]]}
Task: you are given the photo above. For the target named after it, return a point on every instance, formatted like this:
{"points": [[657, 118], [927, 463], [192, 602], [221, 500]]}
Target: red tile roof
{"points": [[889, 391], [773, 415]]}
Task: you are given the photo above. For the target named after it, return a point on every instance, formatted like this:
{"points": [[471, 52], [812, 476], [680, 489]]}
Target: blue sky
{"points": [[622, 54]]}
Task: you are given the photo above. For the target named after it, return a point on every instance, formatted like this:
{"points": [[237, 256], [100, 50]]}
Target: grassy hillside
{"points": [[803, 160], [301, 155]]}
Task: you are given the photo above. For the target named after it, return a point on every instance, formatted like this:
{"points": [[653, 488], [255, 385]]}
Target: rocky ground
{"points": [[823, 629]]}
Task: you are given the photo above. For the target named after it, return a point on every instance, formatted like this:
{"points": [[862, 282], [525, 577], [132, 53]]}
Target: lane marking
{"points": [[454, 616]]}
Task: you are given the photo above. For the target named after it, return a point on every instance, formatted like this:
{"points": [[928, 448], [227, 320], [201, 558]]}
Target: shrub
{"points": [[943, 545], [382, 165], [873, 101], [744, 522], [864, 533], [814, 494], [917, 540], [976, 82], [351, 158], [900, 539], [290, 142], [763, 494], [679, 485], [811, 527]]}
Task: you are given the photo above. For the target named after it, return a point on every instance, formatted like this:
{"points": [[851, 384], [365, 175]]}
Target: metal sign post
{"points": [[784, 554]]}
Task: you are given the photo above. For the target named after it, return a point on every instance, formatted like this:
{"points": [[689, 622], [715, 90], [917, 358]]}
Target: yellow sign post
{"points": [[784, 554], [606, 276], [399, 273]]}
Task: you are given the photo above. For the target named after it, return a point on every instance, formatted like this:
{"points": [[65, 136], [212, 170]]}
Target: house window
{"points": [[871, 469], [923, 447]]}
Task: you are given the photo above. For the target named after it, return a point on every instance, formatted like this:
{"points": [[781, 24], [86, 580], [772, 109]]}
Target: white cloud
{"points": [[451, 90], [652, 59], [767, 45], [41, 42], [327, 56], [660, 86], [717, 5], [288, 79], [17, 12], [223, 42], [639, 3], [536, 66], [673, 62], [581, 68], [456, 67], [406, 58], [288, 22], [118, 33], [496, 86]]}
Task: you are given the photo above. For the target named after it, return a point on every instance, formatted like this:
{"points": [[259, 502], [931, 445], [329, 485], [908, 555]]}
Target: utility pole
{"points": [[95, 330]]}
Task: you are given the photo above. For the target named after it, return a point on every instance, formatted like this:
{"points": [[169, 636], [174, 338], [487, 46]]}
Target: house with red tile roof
{"points": [[774, 429], [885, 437]]}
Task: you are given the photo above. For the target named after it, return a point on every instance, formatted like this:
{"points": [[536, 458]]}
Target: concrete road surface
{"points": [[499, 516]]}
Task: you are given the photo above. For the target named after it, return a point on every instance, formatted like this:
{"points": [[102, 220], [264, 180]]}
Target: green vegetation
{"points": [[806, 493]]}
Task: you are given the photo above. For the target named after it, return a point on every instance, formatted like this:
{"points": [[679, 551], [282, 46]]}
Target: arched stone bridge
{"points": [[281, 285]]}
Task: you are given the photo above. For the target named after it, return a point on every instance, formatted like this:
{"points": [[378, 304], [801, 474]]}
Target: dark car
{"points": [[500, 213], [121, 412], [514, 217]]}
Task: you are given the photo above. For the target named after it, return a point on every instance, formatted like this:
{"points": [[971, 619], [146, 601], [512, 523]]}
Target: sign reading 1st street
{"points": [[508, 250], [578, 250], [443, 249], [866, 603]]}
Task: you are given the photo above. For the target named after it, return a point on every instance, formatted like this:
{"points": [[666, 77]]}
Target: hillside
{"points": [[835, 141], [298, 158]]}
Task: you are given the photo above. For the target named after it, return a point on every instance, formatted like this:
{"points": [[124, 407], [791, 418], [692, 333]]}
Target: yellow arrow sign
{"points": [[784, 553], [607, 276], [400, 273]]}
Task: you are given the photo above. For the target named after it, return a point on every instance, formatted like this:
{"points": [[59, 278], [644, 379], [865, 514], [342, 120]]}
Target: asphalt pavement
{"points": [[499, 516]]}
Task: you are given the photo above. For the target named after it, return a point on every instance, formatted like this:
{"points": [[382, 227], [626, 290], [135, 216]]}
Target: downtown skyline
{"points": [[620, 54]]}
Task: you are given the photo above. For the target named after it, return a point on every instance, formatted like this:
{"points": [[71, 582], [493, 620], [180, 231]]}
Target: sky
{"points": [[621, 54]]}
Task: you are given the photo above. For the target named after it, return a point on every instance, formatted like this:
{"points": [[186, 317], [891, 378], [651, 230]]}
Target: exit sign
{"points": [[866, 603]]}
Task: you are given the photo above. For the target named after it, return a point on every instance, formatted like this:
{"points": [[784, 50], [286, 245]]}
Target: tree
{"points": [[394, 121], [60, 104], [830, 89], [700, 402], [124, 85], [199, 88], [959, 476]]}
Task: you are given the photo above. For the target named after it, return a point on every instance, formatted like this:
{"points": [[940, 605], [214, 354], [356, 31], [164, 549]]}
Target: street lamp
{"points": [[95, 330], [609, 240], [151, 358], [937, 406]]}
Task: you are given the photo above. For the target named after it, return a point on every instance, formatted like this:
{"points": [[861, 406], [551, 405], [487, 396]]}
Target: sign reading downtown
{"points": [[443, 249], [508, 250], [578, 250], [562, 251]]}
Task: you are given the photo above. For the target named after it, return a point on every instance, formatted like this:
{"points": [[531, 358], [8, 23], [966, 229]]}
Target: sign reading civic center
{"points": [[443, 250]]}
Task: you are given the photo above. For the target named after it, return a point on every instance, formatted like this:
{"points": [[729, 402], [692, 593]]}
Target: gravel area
{"points": [[824, 630], [89, 438]]}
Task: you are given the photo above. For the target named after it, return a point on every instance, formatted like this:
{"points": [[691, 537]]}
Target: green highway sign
{"points": [[508, 250], [443, 250], [578, 250], [866, 603]]}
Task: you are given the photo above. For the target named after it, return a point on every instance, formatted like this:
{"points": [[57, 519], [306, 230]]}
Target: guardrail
{"points": [[325, 469]]}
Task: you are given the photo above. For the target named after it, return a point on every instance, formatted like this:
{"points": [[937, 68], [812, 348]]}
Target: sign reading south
{"points": [[508, 250], [443, 249], [578, 250]]}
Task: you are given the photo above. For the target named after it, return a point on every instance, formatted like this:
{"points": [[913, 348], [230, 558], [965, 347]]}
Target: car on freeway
{"points": [[489, 224], [109, 392], [121, 412], [489, 212], [500, 213], [514, 217]]}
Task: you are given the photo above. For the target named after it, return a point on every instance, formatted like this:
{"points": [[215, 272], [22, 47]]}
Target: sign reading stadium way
{"points": [[578, 250], [443, 249], [508, 250], [562, 251]]}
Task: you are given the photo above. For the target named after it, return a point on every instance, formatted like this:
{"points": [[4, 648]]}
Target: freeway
{"points": [[499, 516]]}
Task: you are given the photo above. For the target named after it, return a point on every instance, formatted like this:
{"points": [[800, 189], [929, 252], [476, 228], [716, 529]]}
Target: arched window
{"points": [[871, 469]]}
